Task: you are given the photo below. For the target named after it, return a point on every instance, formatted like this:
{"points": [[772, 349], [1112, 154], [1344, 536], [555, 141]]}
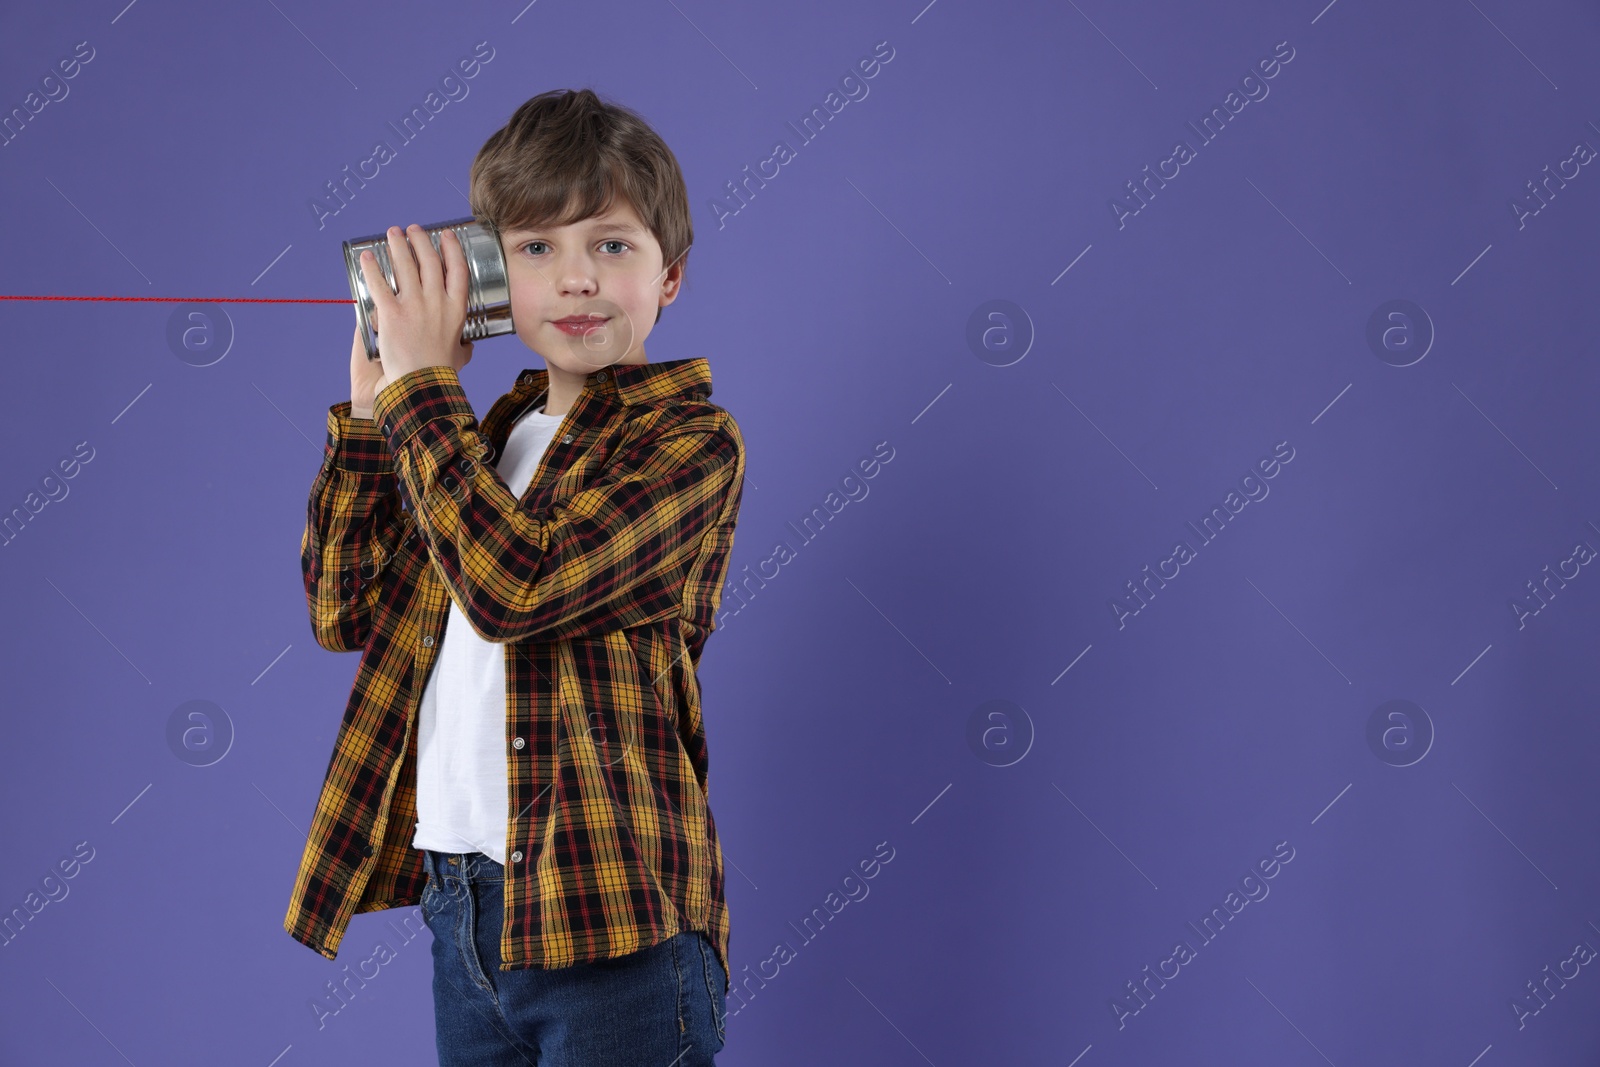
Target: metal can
{"points": [[488, 292]]}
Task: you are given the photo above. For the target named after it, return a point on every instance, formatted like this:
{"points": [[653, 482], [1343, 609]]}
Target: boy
{"points": [[522, 752]]}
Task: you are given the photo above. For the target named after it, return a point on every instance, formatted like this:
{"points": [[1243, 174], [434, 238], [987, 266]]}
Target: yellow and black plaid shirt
{"points": [[603, 582]]}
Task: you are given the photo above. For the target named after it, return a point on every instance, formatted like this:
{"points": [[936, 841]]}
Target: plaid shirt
{"points": [[603, 581]]}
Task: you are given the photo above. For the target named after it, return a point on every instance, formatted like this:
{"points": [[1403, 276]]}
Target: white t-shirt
{"points": [[461, 738]]}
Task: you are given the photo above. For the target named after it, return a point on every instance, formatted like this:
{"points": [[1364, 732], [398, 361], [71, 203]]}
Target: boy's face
{"points": [[606, 270]]}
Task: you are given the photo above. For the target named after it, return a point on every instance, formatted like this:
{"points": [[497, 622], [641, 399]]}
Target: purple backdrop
{"points": [[1351, 720]]}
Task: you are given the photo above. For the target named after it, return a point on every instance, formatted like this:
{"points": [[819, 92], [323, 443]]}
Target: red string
{"points": [[188, 299]]}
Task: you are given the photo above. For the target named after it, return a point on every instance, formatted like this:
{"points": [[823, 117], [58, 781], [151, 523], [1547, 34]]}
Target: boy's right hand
{"points": [[365, 376]]}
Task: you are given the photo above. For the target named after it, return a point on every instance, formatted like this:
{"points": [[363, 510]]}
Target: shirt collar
{"points": [[634, 383]]}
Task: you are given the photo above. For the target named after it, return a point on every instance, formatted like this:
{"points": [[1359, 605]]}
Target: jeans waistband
{"points": [[465, 866]]}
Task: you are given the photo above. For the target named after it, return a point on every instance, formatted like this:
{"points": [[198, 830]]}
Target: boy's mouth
{"points": [[578, 325]]}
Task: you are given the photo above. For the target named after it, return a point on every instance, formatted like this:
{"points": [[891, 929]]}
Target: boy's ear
{"points": [[672, 282]]}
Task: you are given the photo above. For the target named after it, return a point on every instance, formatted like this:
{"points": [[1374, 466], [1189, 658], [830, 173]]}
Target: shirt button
{"points": [[386, 429], [566, 439], [516, 857], [518, 743], [427, 642], [366, 850], [600, 376]]}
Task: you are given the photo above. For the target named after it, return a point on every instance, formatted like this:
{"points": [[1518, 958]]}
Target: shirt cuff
{"points": [[405, 405], [355, 443]]}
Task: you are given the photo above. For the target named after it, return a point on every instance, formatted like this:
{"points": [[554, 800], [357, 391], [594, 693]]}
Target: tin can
{"points": [[488, 292]]}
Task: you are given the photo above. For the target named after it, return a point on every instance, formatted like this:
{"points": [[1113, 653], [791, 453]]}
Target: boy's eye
{"points": [[623, 245]]}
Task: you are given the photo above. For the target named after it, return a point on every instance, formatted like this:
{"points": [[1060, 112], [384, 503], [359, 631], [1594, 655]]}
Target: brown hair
{"points": [[566, 155]]}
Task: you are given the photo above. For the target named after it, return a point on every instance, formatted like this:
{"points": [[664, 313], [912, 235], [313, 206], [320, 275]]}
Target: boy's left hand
{"points": [[419, 326]]}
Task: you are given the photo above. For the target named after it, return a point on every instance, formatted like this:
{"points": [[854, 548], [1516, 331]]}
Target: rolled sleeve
{"points": [[356, 445], [411, 401]]}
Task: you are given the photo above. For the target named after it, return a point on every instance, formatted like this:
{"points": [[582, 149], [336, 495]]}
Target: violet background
{"points": [[1228, 315]]}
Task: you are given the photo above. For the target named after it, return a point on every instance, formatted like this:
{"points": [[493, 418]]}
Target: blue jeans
{"points": [[662, 1006]]}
